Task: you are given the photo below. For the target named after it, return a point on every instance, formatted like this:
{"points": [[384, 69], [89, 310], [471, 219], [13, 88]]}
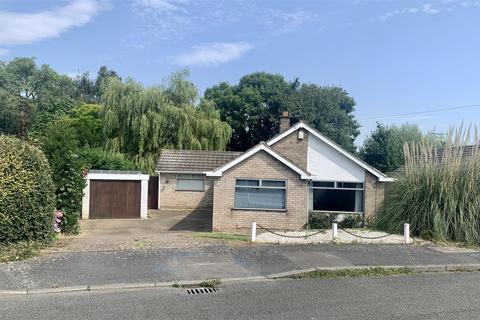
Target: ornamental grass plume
{"points": [[439, 193]]}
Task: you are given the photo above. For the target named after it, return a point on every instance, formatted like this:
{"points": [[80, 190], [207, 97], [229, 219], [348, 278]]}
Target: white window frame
{"points": [[192, 176], [337, 185], [285, 187]]}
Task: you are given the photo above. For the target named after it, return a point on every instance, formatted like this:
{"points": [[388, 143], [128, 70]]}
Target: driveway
{"points": [[163, 229]]}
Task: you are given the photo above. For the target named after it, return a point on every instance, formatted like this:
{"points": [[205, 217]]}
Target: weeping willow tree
{"points": [[439, 194], [140, 121]]}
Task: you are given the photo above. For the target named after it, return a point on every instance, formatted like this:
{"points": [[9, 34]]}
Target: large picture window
{"points": [[336, 196], [260, 194], [190, 182]]}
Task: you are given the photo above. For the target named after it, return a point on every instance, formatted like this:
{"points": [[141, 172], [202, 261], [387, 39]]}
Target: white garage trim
{"points": [[114, 175]]}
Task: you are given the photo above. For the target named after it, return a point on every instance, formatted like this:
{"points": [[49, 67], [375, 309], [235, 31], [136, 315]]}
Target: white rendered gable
{"points": [[328, 164]]}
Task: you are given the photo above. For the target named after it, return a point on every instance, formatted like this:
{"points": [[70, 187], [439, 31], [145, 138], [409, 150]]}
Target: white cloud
{"points": [[213, 54], [160, 5], [428, 9], [285, 22], [24, 28], [425, 9]]}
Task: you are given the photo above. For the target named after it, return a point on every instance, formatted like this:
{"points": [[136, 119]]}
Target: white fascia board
{"points": [[381, 177], [181, 172], [218, 172], [116, 176]]}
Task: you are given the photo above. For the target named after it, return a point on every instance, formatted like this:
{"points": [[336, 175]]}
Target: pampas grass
{"points": [[439, 192]]}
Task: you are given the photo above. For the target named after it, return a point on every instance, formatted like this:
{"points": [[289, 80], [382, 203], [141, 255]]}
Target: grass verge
{"points": [[21, 250], [211, 283], [367, 272], [223, 236]]}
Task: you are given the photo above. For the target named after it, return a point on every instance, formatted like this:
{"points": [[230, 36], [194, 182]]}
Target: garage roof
{"points": [[193, 161]]}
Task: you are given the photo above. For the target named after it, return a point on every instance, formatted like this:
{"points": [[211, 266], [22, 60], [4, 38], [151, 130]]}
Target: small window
{"points": [[190, 182], [349, 185], [248, 183], [260, 194], [323, 184]]}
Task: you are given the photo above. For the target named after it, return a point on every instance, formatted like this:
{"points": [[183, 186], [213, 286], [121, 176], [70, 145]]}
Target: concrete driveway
{"points": [[163, 228]]}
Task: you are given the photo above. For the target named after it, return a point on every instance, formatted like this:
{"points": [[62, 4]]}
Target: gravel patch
{"points": [[326, 237]]}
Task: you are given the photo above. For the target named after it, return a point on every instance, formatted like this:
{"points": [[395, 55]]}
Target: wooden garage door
{"points": [[115, 199]]}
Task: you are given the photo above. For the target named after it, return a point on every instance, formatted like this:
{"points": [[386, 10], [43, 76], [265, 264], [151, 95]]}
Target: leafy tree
{"points": [[140, 121], [62, 147], [103, 75], [90, 90], [329, 110], [86, 121], [26, 90], [383, 149], [85, 89], [252, 108]]}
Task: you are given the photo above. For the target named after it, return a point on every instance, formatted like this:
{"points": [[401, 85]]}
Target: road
{"points": [[419, 296]]}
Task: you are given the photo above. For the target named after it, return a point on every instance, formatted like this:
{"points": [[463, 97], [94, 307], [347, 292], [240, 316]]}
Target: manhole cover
{"points": [[201, 290]]}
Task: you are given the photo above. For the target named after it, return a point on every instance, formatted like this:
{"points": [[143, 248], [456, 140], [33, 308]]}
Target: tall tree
{"points": [[26, 90], [252, 108], [383, 149], [140, 121]]}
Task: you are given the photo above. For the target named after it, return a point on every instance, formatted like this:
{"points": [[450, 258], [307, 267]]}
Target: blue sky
{"points": [[393, 57]]}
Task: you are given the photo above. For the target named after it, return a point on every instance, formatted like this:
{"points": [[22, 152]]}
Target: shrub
{"points": [[26, 192], [325, 220], [60, 144], [439, 192], [94, 158]]}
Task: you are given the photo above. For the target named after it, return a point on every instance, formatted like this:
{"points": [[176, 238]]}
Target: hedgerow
{"points": [[27, 198]]}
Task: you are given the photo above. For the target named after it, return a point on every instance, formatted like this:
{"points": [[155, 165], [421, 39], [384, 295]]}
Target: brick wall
{"points": [[293, 148], [374, 195], [171, 198], [259, 166]]}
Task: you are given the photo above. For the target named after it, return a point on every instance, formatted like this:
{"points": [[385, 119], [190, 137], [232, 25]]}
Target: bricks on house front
{"points": [[259, 166], [374, 194], [293, 148], [170, 198]]}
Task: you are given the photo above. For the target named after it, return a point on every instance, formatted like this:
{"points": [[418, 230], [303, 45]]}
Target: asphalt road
{"points": [[420, 296]]}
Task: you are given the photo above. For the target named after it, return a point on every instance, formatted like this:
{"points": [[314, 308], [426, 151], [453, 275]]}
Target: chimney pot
{"points": [[284, 121]]}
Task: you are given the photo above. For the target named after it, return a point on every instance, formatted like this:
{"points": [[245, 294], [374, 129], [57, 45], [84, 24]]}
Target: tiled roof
{"points": [[193, 160]]}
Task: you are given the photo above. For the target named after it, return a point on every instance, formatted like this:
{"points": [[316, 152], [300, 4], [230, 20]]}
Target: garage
{"points": [[115, 195]]}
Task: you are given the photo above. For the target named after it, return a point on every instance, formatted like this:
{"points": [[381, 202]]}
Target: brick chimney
{"points": [[284, 121]]}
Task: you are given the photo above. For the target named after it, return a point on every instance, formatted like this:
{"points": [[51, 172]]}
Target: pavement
{"points": [[438, 296], [100, 269]]}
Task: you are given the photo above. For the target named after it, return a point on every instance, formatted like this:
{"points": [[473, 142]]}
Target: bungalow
{"points": [[276, 183]]}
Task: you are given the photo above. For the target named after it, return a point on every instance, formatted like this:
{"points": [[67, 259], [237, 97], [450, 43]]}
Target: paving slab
{"points": [[306, 259]]}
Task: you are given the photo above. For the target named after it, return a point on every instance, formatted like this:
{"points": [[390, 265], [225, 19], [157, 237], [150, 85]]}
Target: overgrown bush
{"points": [[27, 199], [61, 146], [439, 194]]}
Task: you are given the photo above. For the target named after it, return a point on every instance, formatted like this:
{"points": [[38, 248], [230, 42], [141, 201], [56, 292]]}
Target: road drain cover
{"points": [[201, 290]]}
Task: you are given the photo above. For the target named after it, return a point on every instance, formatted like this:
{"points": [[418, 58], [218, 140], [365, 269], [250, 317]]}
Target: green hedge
{"points": [[26, 192]]}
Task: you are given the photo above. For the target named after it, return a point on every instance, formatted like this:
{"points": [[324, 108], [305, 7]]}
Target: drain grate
{"points": [[201, 290]]}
